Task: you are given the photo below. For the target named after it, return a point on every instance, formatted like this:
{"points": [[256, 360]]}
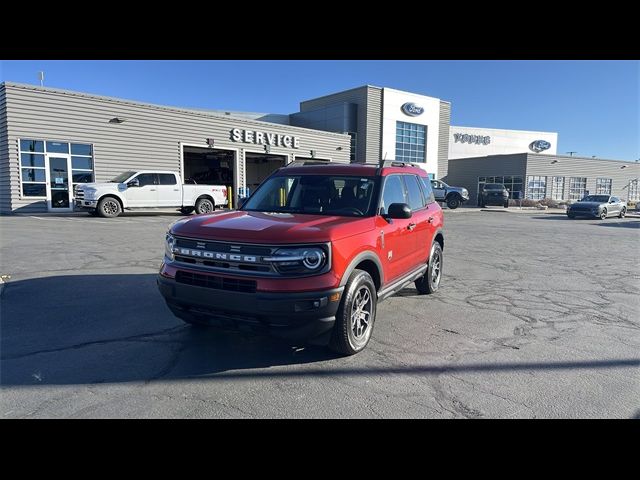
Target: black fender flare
{"points": [[435, 234], [366, 255], [453, 194]]}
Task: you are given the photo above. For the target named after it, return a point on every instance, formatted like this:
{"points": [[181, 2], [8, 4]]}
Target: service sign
{"points": [[263, 138]]}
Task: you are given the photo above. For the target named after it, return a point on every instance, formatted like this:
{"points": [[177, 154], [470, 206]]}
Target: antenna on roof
{"points": [[41, 78]]}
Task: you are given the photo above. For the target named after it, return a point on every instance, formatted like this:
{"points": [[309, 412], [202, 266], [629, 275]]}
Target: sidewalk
{"points": [[523, 210]]}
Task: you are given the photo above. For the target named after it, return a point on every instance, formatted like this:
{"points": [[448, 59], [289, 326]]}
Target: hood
{"points": [[102, 185], [274, 228]]}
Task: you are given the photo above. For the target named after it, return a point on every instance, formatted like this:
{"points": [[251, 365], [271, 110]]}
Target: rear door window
{"points": [[427, 190], [167, 179], [416, 202]]}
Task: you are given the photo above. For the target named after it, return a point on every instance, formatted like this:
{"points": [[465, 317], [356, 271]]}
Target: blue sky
{"points": [[593, 105]]}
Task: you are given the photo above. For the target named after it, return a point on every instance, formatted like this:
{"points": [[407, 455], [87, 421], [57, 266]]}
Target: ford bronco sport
{"points": [[309, 254]]}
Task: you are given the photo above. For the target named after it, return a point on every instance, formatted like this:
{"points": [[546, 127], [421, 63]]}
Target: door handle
{"points": [[430, 220], [152, 189], [176, 189], [411, 226]]}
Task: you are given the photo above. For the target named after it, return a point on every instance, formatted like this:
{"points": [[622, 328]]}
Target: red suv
{"points": [[310, 254]]}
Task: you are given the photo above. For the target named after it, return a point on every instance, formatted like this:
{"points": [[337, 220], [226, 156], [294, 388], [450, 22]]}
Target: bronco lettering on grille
{"points": [[215, 255]]}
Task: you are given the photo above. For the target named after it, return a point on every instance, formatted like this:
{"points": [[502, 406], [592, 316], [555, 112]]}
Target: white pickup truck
{"points": [[146, 189]]}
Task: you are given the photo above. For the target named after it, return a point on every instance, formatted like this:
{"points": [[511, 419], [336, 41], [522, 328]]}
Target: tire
{"points": [[483, 205], [505, 204], [453, 202], [360, 288], [430, 281], [571, 215], [623, 212], [109, 207], [186, 210], [204, 205], [603, 214]]}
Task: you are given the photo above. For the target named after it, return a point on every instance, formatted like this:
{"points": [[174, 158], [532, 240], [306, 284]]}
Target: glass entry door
{"points": [[59, 195]]}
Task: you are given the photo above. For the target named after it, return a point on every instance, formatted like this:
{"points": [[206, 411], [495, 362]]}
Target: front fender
{"points": [[362, 256], [100, 194]]}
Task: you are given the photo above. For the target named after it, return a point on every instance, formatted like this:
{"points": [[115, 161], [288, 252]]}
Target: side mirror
{"points": [[611, 200], [241, 201], [399, 210], [133, 183]]}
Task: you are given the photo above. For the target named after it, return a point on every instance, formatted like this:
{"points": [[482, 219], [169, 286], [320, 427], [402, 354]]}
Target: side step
{"points": [[398, 285]]}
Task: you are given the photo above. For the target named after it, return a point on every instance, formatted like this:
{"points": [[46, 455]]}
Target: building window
{"points": [[577, 188], [513, 183], [352, 156], [536, 187], [634, 191], [410, 142], [33, 169], [557, 188], [81, 163], [33, 164], [603, 186]]}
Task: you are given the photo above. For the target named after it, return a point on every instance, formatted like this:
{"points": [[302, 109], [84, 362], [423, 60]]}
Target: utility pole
{"points": [[571, 153]]}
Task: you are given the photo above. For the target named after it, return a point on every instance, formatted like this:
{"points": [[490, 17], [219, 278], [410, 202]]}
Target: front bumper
{"points": [[584, 213], [293, 315], [90, 204], [499, 201]]}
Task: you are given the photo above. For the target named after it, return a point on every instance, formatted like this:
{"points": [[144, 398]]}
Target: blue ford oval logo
{"points": [[540, 146], [412, 109]]}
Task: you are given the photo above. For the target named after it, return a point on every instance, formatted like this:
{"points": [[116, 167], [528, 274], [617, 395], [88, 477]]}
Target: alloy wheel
{"points": [[361, 313]]}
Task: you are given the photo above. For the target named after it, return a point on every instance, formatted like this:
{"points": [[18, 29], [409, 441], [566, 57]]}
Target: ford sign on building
{"points": [[540, 146], [412, 109], [467, 142]]}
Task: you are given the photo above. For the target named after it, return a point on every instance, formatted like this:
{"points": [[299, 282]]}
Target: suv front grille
{"points": [[237, 258], [216, 283], [79, 194]]}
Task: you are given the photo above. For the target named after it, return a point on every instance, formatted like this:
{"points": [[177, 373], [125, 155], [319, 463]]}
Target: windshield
{"points": [[122, 177], [596, 198], [315, 194], [494, 186]]}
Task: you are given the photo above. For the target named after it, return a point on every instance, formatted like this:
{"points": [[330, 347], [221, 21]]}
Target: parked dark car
{"points": [[453, 196], [493, 194], [598, 206]]}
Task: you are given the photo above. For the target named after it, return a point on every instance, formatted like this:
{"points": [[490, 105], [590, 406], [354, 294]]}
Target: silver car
{"points": [[598, 206]]}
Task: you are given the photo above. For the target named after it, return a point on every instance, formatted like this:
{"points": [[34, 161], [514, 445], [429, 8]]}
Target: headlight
{"points": [[169, 244], [465, 191], [89, 192], [298, 260]]}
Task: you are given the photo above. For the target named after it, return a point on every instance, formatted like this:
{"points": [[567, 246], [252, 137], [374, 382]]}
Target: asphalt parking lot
{"points": [[538, 316]]}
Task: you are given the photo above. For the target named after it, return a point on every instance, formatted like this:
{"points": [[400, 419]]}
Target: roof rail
{"points": [[297, 163], [396, 163]]}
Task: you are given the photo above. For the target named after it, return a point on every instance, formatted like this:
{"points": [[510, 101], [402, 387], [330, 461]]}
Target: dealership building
{"points": [[53, 139], [527, 163]]}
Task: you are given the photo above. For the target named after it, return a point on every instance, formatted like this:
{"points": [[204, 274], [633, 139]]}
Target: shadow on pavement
{"points": [[116, 328], [90, 329], [626, 224]]}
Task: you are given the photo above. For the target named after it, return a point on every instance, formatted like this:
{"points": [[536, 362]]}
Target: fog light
{"points": [[334, 297], [316, 304]]}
